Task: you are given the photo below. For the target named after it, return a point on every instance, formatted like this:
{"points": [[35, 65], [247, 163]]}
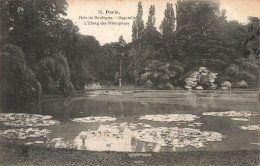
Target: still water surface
{"points": [[128, 132]]}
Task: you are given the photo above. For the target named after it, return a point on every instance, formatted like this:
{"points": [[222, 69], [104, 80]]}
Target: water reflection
{"points": [[119, 137]]}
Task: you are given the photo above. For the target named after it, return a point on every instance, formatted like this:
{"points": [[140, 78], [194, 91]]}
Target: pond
{"points": [[141, 121]]}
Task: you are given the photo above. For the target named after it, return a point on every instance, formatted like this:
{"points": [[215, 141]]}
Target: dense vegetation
{"points": [[42, 52]]}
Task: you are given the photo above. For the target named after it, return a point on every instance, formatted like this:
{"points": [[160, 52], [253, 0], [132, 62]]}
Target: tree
{"points": [[151, 37], [252, 43], [138, 24], [168, 23], [19, 86], [151, 18], [85, 62], [39, 29], [54, 74], [167, 28], [32, 25], [200, 34], [137, 33]]}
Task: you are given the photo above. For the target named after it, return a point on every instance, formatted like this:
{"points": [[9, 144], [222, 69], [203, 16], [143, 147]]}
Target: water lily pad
{"points": [[24, 133], [178, 137], [174, 136], [28, 143], [250, 127], [170, 117], [27, 120], [231, 113], [93, 119], [240, 119]]}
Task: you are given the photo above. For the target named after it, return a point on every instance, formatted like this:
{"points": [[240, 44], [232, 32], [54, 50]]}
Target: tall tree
{"points": [[167, 28], [200, 34], [151, 18], [252, 43], [138, 24], [151, 40], [168, 23], [137, 33]]}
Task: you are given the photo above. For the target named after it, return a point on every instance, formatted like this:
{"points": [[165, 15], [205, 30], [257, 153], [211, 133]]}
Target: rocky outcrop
{"points": [[242, 84], [202, 79], [226, 85]]}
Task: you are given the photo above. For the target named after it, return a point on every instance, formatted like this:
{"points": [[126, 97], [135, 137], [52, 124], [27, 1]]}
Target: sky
{"points": [[236, 10]]}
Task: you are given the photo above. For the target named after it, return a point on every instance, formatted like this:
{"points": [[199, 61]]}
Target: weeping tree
{"points": [[19, 86], [54, 74]]}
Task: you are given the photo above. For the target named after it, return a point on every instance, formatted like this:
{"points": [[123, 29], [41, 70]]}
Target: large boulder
{"points": [[242, 84], [199, 88], [226, 85]]}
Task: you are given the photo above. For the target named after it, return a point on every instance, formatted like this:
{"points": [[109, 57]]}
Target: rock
{"points": [[226, 85], [203, 70], [242, 84], [203, 78], [199, 88], [187, 87]]}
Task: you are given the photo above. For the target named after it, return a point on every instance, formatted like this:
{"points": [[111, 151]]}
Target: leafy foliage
{"points": [[160, 75], [54, 74], [18, 84]]}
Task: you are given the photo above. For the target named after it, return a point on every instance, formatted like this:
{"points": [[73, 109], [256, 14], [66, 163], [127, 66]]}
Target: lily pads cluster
{"points": [[178, 137], [131, 126], [164, 136], [235, 115], [110, 92], [24, 133], [93, 119], [170, 117], [27, 120], [250, 127], [105, 131]]}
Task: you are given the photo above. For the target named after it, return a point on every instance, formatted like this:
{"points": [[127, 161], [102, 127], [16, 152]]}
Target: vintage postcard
{"points": [[129, 82]]}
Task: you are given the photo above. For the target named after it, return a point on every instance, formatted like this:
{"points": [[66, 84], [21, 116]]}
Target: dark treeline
{"points": [[43, 52]]}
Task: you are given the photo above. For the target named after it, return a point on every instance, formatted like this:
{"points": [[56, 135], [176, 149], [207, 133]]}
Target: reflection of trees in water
{"points": [[63, 109]]}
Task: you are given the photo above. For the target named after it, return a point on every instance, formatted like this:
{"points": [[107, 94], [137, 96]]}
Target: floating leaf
{"points": [[250, 127], [169, 117], [24, 133], [231, 113], [93, 119], [27, 120]]}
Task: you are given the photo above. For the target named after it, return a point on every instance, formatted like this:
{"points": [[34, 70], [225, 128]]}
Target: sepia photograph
{"points": [[129, 82]]}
